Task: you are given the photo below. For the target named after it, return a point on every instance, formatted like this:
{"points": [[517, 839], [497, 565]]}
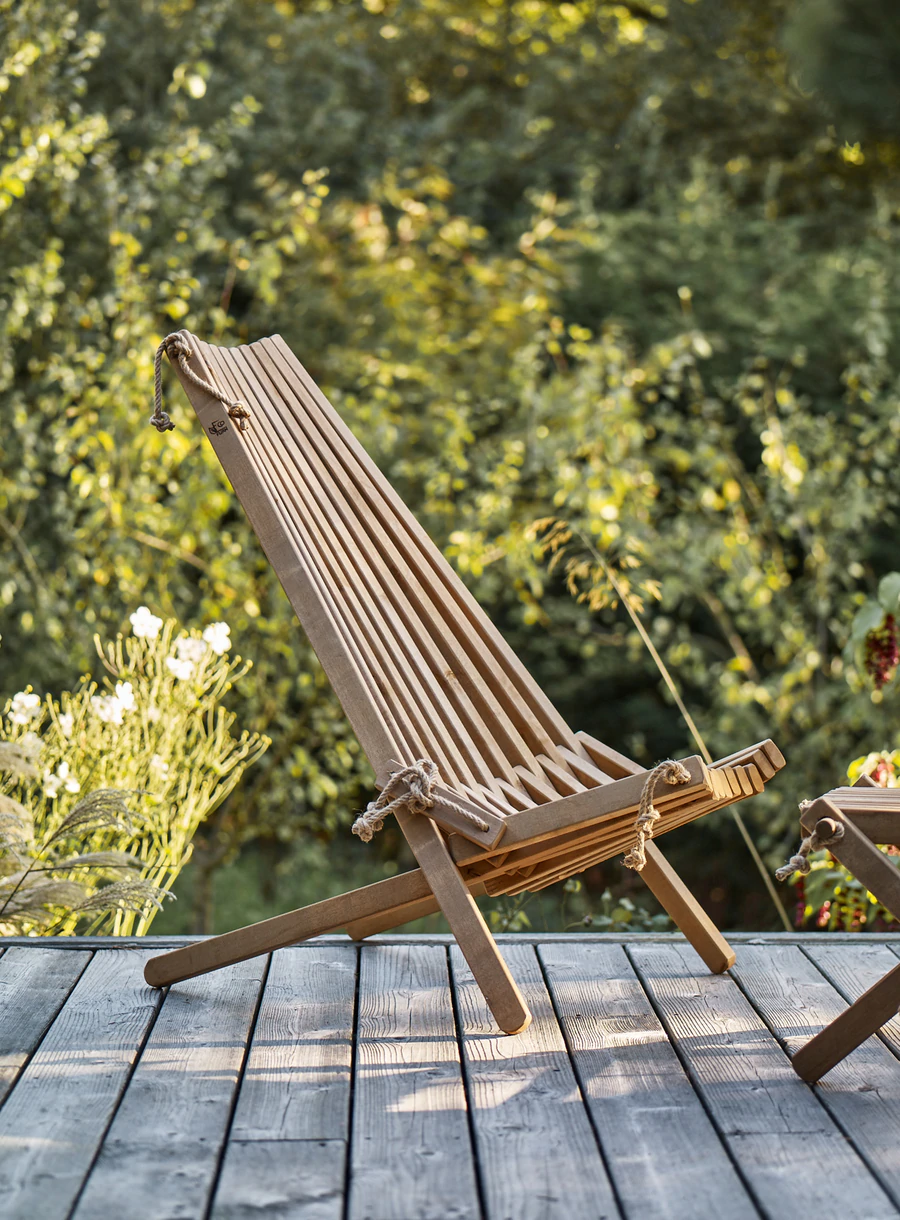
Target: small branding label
{"points": [[218, 426]]}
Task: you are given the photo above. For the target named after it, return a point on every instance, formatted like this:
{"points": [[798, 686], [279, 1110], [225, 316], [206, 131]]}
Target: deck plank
{"points": [[410, 1155], [288, 1144], [853, 969], [54, 1120], [779, 1134], [282, 1180], [664, 1155], [862, 1092], [34, 985], [537, 1151], [161, 1154]]}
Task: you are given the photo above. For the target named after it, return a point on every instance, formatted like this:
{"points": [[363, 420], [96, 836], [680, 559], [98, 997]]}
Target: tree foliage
{"points": [[625, 265]]}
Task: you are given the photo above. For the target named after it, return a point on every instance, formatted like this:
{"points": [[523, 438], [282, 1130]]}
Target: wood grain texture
{"points": [[863, 1091], [296, 1083], [411, 1156], [664, 1155], [779, 1134], [160, 1156], [54, 1120], [538, 1155], [34, 984], [282, 1180]]}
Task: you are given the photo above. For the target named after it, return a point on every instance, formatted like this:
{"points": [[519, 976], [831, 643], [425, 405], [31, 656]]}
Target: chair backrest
{"points": [[419, 668]]}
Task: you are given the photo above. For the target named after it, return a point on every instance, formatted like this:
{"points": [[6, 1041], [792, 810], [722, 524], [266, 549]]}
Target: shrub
{"points": [[154, 750]]}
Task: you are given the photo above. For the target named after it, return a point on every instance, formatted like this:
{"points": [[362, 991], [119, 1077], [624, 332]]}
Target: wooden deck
{"points": [[331, 1082]]}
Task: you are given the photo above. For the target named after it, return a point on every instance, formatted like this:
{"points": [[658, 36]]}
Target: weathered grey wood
{"points": [[160, 1156], [853, 970], [53, 1121], [862, 1092], [296, 1084], [410, 1154], [665, 1157], [788, 1148], [538, 1155], [282, 1180], [34, 984]]}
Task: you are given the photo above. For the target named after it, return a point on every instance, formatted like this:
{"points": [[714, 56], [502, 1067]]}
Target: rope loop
{"points": [[827, 832], [175, 347], [412, 787], [671, 772]]}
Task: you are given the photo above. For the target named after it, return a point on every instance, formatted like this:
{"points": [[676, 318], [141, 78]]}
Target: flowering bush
{"points": [[154, 750]]}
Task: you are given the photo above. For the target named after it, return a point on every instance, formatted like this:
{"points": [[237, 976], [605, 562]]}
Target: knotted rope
{"points": [[175, 348], [673, 773], [412, 787], [830, 835]]}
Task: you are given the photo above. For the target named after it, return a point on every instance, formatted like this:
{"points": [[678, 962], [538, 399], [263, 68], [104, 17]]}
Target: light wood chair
{"points": [[850, 822], [422, 673]]}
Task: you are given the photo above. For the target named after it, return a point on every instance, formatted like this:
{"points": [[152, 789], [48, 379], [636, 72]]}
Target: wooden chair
{"points": [[850, 822], [422, 673]]}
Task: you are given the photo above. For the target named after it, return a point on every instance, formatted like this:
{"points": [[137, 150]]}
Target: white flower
{"points": [[69, 781], [30, 745], [108, 708], [125, 695], [24, 707], [62, 779], [153, 713], [159, 765], [189, 648], [217, 635], [181, 669], [66, 724], [145, 624]]}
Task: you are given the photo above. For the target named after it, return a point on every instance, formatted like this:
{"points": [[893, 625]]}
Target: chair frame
{"points": [[869, 816], [574, 807]]}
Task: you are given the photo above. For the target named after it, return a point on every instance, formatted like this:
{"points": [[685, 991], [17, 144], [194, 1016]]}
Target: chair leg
{"points": [[845, 1033], [466, 923], [687, 913], [288, 929]]}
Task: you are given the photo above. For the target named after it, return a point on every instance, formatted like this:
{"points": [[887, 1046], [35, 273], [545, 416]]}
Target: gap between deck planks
{"points": [[331, 1082]]}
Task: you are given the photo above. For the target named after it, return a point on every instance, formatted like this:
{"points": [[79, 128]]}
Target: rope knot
{"points": [[176, 348], [671, 772], [412, 787], [827, 832]]}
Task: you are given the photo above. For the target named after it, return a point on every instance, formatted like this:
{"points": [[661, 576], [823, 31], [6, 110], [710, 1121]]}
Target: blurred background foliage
{"points": [[630, 265]]}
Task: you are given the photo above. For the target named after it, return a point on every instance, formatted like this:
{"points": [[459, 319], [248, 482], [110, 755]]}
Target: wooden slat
{"points": [[375, 595], [410, 1152], [538, 1156], [332, 445], [34, 984], [788, 1149], [663, 1153], [584, 808], [53, 1121], [318, 616], [863, 1092], [185, 1082], [522, 691], [359, 624]]}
